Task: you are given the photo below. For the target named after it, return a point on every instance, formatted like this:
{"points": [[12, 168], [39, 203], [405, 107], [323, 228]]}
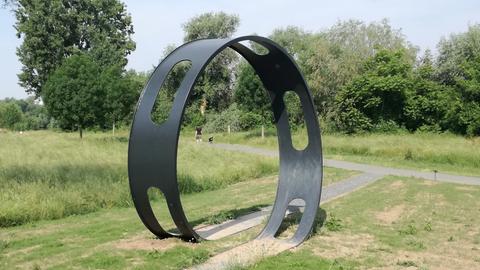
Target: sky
{"points": [[159, 23]]}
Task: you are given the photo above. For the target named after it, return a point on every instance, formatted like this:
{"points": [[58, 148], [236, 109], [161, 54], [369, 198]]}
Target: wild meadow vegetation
{"points": [[427, 151], [65, 201], [396, 222], [51, 175]]}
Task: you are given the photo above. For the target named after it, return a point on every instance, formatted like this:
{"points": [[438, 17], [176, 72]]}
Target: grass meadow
{"points": [[394, 223], [50, 175], [445, 153], [65, 204]]}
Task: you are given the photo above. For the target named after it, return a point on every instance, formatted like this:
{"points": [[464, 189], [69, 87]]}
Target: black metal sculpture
{"points": [[152, 153]]}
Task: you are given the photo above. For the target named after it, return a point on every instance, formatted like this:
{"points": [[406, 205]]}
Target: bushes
{"points": [[22, 115], [235, 118], [219, 122], [378, 95], [250, 120], [391, 95], [10, 115]]}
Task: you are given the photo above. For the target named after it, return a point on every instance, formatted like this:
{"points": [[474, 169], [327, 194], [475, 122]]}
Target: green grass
{"points": [[445, 153], [395, 222], [92, 240], [50, 175]]}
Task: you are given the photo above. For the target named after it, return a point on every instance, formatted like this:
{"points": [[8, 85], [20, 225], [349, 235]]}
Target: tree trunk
{"points": [[81, 132], [113, 128], [203, 106]]}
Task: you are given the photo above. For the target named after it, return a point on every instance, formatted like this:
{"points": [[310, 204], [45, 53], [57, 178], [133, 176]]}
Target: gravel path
{"points": [[338, 189], [254, 250], [371, 169]]}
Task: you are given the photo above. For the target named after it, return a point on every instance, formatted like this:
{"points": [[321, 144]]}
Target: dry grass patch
{"points": [[343, 245], [390, 215], [149, 243]]}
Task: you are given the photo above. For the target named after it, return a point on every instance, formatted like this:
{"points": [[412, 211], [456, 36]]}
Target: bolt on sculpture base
{"points": [[152, 153]]}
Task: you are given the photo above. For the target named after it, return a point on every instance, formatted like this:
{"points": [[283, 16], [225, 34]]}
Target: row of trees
{"points": [[74, 57], [363, 76], [23, 114]]}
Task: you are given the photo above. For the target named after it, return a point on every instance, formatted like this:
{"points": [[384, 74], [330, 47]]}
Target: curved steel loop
{"points": [[152, 152]]}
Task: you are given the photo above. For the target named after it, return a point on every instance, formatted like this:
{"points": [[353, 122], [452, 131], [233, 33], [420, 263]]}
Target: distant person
{"points": [[198, 134]]}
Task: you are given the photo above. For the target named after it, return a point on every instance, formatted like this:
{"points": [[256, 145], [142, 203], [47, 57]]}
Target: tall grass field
{"points": [[445, 153], [50, 175]]}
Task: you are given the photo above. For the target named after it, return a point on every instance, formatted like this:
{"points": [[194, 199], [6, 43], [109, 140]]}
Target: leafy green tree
{"points": [[458, 66], [327, 68], [121, 94], [73, 94], [10, 115], [363, 40], [293, 39], [82, 94], [33, 114], [378, 95], [6, 3], [429, 101], [53, 30], [214, 85], [164, 101], [340, 53], [250, 95], [210, 25], [332, 58]]}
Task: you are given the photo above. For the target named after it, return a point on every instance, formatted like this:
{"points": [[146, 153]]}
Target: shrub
{"points": [[10, 115], [218, 122], [250, 120], [193, 117], [387, 126], [333, 223]]}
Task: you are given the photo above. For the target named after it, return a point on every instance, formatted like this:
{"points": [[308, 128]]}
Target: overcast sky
{"points": [[159, 23]]}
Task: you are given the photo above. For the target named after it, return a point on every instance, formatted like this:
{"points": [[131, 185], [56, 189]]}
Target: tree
{"points": [[293, 39], [249, 93], [213, 87], [379, 95], [327, 68], [364, 40], [332, 58], [458, 66], [73, 95], [6, 3], [121, 93], [33, 114], [81, 94], [429, 101], [164, 101], [10, 115], [54, 30]]}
